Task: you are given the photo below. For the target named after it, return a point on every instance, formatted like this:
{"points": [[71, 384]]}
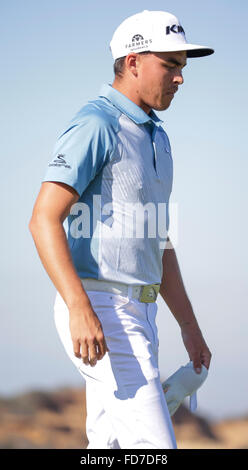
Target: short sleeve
{"points": [[81, 151]]}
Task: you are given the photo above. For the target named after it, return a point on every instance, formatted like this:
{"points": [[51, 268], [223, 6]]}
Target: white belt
{"points": [[146, 293]]}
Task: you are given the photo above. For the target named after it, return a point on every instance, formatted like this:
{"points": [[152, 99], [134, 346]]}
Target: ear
{"points": [[132, 63]]}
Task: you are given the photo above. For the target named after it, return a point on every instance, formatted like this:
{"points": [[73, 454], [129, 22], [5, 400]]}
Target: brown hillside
{"points": [[56, 420]]}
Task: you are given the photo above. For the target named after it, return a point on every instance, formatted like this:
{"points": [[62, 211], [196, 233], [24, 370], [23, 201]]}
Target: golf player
{"points": [[110, 176]]}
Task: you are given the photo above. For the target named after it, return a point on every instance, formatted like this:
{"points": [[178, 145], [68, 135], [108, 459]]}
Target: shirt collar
{"points": [[126, 106]]}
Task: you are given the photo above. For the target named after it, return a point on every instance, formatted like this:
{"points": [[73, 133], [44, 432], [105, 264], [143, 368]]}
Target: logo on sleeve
{"points": [[59, 161]]}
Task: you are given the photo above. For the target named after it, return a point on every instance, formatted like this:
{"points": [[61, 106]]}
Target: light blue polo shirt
{"points": [[118, 159]]}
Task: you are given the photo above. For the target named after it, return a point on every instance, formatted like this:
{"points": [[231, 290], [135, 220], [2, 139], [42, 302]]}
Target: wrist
{"points": [[189, 324], [76, 305]]}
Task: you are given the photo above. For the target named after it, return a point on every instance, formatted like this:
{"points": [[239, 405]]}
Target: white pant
{"points": [[126, 407]]}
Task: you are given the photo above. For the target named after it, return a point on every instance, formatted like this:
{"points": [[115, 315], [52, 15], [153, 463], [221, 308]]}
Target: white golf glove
{"points": [[184, 382]]}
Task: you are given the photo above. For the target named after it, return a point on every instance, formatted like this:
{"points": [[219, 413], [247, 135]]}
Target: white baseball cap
{"points": [[157, 31]]}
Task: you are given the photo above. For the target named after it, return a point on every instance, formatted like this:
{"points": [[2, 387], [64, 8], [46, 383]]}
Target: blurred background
{"points": [[54, 58]]}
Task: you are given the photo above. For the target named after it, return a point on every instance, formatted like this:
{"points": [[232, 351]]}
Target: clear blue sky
{"points": [[54, 57]]}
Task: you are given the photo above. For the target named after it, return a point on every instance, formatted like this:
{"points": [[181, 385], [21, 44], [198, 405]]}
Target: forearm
{"points": [[51, 243], [173, 291]]}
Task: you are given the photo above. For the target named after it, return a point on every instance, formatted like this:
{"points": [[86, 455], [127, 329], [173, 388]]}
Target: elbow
{"points": [[36, 221], [40, 221], [32, 225]]}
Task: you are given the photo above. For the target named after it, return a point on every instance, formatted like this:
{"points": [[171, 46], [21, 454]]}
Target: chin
{"points": [[161, 107]]}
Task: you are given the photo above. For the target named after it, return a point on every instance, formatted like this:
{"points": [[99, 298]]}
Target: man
{"points": [[112, 165]]}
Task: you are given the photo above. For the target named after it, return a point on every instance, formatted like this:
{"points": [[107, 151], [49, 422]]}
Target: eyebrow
{"points": [[174, 61]]}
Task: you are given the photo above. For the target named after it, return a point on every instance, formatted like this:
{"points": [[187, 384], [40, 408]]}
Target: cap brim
{"points": [[193, 50], [198, 51]]}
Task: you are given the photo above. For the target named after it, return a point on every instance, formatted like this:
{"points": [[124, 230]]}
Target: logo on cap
{"points": [[175, 28], [138, 42], [137, 37]]}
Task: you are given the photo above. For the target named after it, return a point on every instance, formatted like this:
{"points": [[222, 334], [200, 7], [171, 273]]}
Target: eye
{"points": [[170, 67]]}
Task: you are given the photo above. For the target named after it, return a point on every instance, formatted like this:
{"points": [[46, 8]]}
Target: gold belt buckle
{"points": [[149, 293]]}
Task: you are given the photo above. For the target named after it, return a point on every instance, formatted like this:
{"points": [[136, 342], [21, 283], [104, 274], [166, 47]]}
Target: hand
{"points": [[86, 331], [197, 348]]}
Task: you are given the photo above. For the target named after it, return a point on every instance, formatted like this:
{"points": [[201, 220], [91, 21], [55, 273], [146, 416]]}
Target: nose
{"points": [[178, 78]]}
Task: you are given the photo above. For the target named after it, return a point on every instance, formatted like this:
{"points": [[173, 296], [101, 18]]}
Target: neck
{"points": [[131, 93]]}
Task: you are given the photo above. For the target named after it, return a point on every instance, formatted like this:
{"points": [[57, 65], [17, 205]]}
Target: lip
{"points": [[172, 92]]}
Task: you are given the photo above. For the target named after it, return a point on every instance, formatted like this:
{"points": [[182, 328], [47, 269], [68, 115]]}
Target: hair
{"points": [[119, 64]]}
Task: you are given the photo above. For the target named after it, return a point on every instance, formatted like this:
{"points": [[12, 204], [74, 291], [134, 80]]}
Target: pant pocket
{"points": [[105, 299], [151, 320]]}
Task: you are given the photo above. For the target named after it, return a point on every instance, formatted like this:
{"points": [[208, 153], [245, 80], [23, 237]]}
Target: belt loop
{"points": [[129, 291]]}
